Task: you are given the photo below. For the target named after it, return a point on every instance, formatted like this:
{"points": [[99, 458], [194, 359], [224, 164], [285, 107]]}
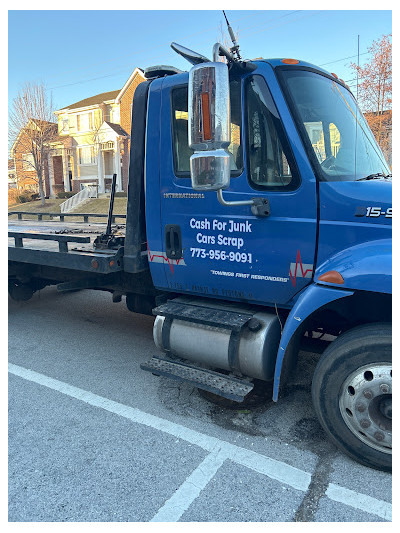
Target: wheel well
{"points": [[362, 307], [332, 320]]}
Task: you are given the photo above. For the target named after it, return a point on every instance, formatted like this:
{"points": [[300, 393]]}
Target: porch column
{"points": [[65, 171], [51, 174], [117, 166], [100, 170]]}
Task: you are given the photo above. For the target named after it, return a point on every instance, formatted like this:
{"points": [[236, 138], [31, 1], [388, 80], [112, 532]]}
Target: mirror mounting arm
{"points": [[259, 206], [222, 200], [219, 50]]}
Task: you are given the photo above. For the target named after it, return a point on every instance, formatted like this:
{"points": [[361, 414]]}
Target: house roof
{"points": [[104, 97], [40, 123], [93, 100], [136, 72], [117, 128]]}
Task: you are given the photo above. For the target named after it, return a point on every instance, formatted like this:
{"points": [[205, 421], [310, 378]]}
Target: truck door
{"points": [[226, 252]]}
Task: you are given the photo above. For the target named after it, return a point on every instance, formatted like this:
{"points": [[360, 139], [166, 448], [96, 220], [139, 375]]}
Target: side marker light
{"points": [[331, 277]]}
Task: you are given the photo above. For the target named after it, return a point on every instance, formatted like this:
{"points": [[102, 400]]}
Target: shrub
{"points": [[23, 198], [65, 194]]}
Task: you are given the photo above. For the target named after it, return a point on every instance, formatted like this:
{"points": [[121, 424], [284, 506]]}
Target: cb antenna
{"points": [[235, 47]]}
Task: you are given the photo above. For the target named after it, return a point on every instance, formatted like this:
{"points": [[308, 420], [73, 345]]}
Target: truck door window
{"points": [[181, 149], [267, 147]]}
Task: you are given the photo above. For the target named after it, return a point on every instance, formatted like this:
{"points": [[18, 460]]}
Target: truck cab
{"points": [[300, 240], [297, 140]]}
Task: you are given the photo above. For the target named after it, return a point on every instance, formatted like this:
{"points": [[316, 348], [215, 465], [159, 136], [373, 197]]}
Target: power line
{"points": [[343, 59], [165, 44], [162, 45], [275, 18], [202, 32], [288, 22]]}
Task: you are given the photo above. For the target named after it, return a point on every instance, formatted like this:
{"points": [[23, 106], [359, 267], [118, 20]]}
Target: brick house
{"points": [[93, 141], [25, 175], [381, 126], [12, 176]]}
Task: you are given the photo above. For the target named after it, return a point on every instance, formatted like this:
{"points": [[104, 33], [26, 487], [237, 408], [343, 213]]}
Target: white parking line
{"points": [[181, 500], [272, 468], [359, 501]]}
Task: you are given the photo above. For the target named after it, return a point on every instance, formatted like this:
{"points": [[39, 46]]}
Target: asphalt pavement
{"points": [[93, 438]]}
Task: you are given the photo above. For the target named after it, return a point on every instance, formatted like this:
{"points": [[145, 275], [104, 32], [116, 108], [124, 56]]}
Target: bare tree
{"points": [[31, 128], [375, 89]]}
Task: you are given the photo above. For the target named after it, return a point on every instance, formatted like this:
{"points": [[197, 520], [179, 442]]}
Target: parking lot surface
{"points": [[93, 438]]}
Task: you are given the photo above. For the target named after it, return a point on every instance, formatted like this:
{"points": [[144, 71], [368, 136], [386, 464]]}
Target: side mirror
{"points": [[210, 129], [209, 126]]}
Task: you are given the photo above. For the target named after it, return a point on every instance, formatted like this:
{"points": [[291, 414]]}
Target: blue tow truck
{"points": [[258, 219]]}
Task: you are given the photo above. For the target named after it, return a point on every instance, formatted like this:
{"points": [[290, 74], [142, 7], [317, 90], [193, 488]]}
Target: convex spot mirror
{"points": [[210, 170]]}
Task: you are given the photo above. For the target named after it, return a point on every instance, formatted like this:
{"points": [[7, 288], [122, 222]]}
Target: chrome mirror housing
{"points": [[209, 107]]}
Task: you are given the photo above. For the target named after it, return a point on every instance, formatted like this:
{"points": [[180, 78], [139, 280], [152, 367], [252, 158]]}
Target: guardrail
{"points": [[61, 216]]}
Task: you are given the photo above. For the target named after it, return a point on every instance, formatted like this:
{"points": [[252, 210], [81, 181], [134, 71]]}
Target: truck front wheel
{"points": [[352, 394]]}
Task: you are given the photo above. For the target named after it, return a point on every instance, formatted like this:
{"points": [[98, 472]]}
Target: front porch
{"points": [[73, 166]]}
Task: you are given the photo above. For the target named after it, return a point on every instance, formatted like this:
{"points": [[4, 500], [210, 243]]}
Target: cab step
{"points": [[225, 386], [179, 309]]}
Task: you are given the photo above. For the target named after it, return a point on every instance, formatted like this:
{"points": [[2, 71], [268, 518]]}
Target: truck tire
{"points": [[352, 394], [20, 292]]}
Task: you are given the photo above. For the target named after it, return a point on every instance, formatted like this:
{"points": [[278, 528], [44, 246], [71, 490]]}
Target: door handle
{"points": [[173, 241]]}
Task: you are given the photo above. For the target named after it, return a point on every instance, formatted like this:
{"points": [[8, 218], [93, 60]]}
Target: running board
{"points": [[226, 386]]}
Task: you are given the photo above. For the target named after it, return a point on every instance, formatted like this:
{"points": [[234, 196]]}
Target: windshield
{"points": [[342, 141]]}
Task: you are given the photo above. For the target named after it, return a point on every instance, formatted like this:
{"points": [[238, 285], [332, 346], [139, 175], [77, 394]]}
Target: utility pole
{"points": [[358, 60]]}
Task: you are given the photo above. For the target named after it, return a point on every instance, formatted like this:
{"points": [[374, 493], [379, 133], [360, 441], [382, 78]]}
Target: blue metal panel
{"points": [[366, 266], [277, 62], [152, 184], [280, 245], [311, 299], [351, 240]]}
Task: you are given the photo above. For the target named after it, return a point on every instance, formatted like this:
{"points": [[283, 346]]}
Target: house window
{"points": [[84, 122], [114, 116], [86, 155], [65, 125], [108, 113], [28, 163]]}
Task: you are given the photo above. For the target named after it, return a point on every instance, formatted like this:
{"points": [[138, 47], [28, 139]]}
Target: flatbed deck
{"points": [[76, 256]]}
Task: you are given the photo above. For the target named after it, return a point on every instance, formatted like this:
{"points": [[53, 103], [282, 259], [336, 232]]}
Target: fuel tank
{"points": [[249, 349]]}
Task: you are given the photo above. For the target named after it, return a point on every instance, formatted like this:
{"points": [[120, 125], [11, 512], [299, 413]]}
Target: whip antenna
{"points": [[235, 47]]}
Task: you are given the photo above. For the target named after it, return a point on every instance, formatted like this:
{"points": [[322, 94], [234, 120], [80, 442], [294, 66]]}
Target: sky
{"points": [[80, 53]]}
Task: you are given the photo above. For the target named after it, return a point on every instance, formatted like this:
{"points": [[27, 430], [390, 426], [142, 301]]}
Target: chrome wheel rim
{"points": [[365, 404]]}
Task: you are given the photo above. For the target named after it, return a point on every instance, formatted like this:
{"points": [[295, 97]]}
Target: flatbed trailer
{"points": [[42, 242]]}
